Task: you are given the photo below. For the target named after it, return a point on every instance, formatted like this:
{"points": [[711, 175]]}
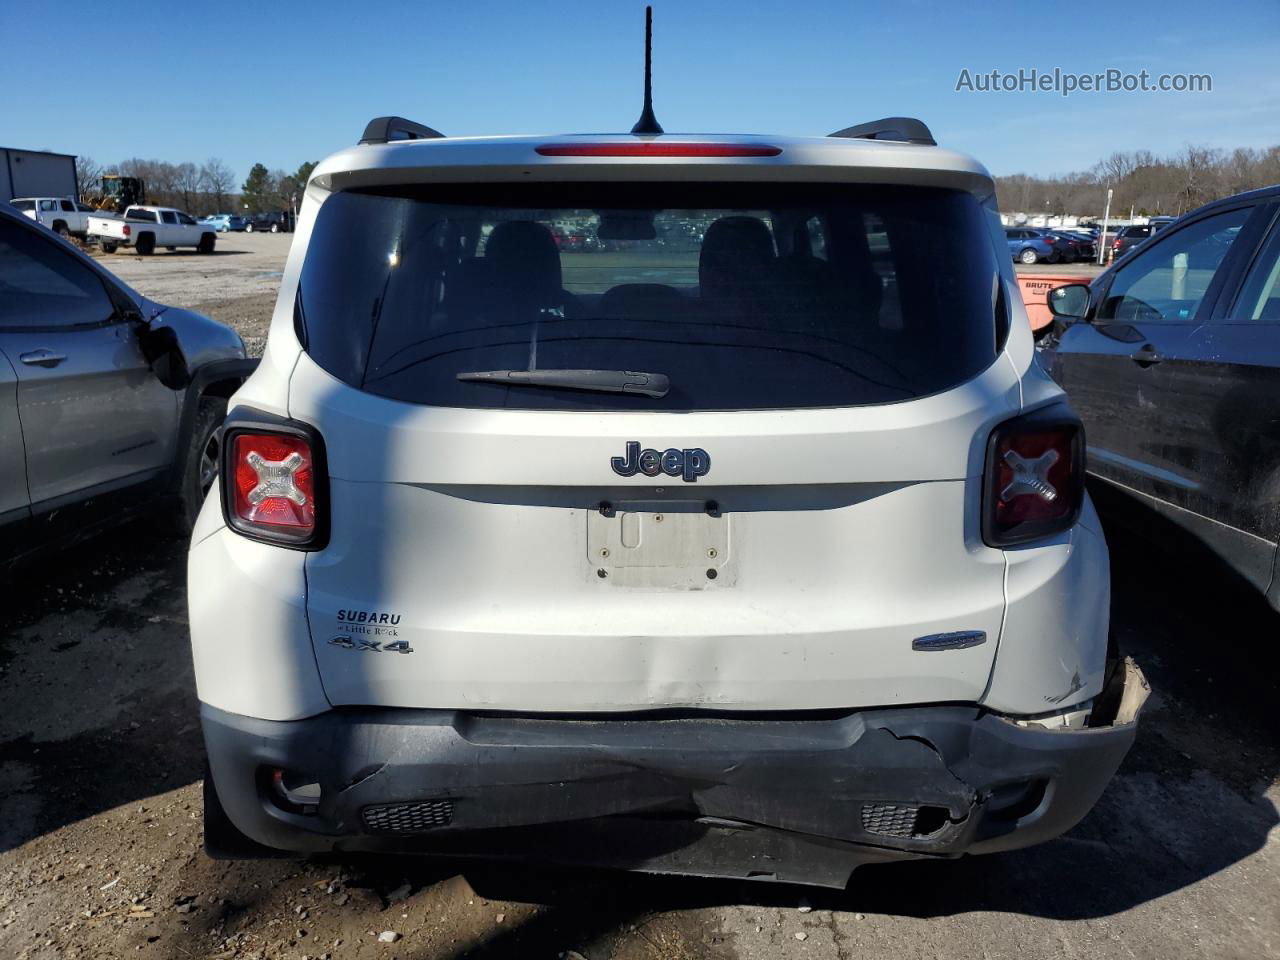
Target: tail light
{"points": [[1034, 478], [125, 229], [1116, 244], [274, 482]]}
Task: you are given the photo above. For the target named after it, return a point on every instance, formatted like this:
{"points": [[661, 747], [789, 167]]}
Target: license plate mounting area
{"points": [[667, 545]]}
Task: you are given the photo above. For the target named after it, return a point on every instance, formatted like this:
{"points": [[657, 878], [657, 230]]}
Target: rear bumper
{"points": [[795, 799]]}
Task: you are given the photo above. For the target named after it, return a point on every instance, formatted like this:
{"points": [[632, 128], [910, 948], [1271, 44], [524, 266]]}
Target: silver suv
{"points": [[109, 402]]}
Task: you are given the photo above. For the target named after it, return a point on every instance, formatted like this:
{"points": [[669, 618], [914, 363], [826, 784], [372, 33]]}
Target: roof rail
{"points": [[387, 129], [906, 129]]}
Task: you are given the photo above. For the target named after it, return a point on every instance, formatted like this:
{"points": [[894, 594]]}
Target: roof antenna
{"points": [[648, 123]]}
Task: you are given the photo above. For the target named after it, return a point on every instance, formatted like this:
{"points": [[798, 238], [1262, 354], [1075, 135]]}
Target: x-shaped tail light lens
{"points": [[1030, 476], [274, 482], [1034, 478]]}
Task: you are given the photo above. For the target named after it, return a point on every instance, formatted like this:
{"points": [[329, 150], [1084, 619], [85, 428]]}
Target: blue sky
{"points": [[285, 82]]}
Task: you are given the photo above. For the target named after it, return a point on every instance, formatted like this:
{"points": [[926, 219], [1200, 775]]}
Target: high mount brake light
{"points": [[1034, 478], [657, 148], [274, 482]]}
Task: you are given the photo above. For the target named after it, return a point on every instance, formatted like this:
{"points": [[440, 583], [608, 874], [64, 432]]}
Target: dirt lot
{"points": [[237, 284], [100, 758]]}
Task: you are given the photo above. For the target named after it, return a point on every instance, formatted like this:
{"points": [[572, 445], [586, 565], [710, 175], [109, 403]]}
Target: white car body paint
{"points": [[448, 520]]}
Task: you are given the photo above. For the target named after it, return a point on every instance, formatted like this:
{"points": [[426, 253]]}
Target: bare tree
{"points": [[188, 181], [1116, 167], [1199, 168], [218, 180], [88, 172], [1145, 183]]}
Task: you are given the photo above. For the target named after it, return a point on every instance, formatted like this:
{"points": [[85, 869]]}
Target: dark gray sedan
{"points": [[1172, 359]]}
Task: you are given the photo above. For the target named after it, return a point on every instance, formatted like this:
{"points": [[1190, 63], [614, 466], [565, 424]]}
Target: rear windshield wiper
{"points": [[602, 381]]}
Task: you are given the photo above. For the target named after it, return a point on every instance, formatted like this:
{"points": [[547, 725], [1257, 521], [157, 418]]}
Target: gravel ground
{"points": [[100, 856], [100, 760], [237, 284]]}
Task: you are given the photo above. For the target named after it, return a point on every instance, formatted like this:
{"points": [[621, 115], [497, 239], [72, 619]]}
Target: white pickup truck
{"points": [[145, 228], [62, 215]]}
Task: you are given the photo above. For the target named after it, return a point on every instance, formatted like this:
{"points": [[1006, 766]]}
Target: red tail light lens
{"points": [[1034, 480], [126, 230], [273, 481], [1116, 245]]}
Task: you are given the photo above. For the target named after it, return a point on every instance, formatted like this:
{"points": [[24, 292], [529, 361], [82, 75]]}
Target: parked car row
{"points": [[224, 222], [142, 227], [272, 221], [1042, 245], [1046, 245]]}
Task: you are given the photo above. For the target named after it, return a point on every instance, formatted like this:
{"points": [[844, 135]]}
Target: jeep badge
{"points": [[691, 463]]}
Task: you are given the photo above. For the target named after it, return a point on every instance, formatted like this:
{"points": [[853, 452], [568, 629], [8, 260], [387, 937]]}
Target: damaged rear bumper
{"points": [[800, 799]]}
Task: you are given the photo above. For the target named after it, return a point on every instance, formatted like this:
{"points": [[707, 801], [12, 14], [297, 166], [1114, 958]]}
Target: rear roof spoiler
{"points": [[387, 129], [905, 129]]}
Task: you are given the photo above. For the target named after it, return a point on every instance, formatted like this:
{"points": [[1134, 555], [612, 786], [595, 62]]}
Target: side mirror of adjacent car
{"points": [[1070, 302], [161, 347]]}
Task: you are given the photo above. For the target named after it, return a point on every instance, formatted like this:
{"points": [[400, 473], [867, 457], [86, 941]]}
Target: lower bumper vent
{"points": [[903, 821], [408, 817]]}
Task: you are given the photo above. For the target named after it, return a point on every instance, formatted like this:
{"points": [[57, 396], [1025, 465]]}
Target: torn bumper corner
{"points": [[796, 799]]}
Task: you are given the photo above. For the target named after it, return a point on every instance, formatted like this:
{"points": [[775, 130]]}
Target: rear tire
{"points": [[109, 247], [145, 245], [200, 462], [1028, 256], [206, 243]]}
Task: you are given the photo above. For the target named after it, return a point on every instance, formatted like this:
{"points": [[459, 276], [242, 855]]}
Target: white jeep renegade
{"points": [[688, 504]]}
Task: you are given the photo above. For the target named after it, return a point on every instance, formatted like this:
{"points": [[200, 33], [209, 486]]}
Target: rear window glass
{"points": [[748, 296]]}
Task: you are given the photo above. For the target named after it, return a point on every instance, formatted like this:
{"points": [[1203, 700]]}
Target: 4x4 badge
{"points": [[376, 646], [690, 463]]}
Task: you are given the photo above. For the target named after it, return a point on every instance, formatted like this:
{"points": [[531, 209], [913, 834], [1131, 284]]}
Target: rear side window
{"points": [[750, 296], [25, 204], [1260, 299], [144, 216]]}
